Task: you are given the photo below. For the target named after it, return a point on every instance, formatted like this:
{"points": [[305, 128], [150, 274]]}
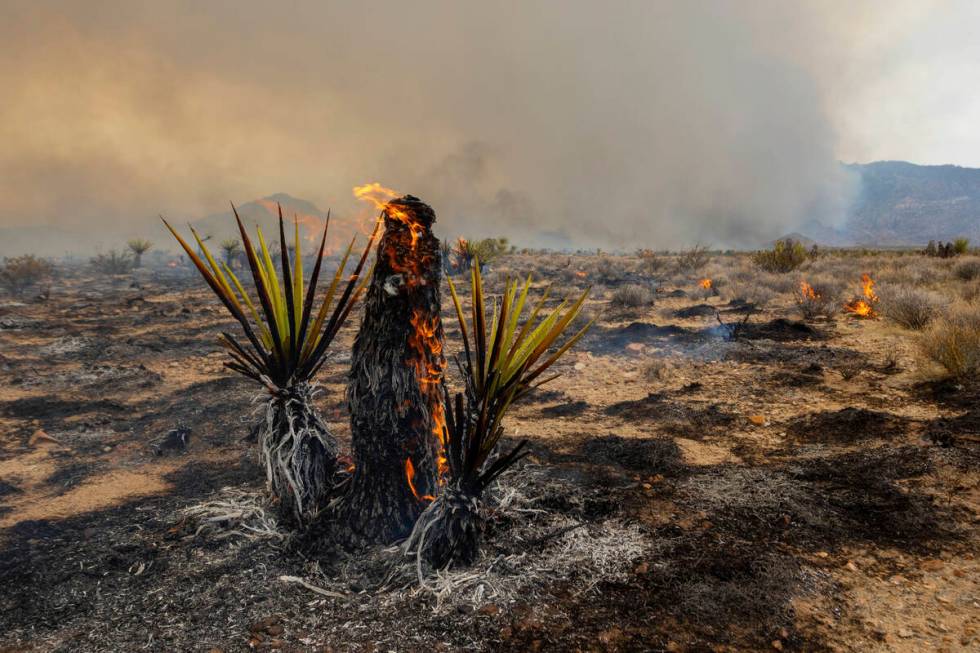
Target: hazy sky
{"points": [[614, 123]]}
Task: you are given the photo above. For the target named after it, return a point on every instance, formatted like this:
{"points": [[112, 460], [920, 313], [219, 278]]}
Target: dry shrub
{"points": [[631, 296], [652, 263], [656, 370], [692, 260], [785, 256], [818, 299], [112, 263], [952, 342], [748, 291], [21, 272], [909, 307], [967, 270]]}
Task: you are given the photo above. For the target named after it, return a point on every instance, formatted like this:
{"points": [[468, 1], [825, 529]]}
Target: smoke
{"points": [[568, 124]]}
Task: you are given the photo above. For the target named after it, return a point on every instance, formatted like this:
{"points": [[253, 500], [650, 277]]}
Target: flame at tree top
{"points": [[864, 306]]}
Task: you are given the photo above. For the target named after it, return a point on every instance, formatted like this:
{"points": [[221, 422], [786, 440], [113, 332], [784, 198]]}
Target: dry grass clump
{"points": [[967, 270], [908, 306], [952, 342], [631, 296]]}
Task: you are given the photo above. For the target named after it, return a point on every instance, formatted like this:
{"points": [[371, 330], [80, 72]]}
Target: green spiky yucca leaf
{"points": [[286, 341], [502, 362]]}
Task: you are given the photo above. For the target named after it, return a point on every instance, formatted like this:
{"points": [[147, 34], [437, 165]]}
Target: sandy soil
{"points": [[790, 503]]}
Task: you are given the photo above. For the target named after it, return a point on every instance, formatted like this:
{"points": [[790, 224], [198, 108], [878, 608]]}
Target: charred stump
{"points": [[394, 392]]}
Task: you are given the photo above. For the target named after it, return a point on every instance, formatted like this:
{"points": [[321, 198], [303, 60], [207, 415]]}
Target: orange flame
{"points": [[410, 477], [381, 197], [807, 292], [580, 274], [705, 283], [864, 307], [429, 370]]}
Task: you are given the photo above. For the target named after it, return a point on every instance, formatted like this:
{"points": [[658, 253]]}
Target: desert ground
{"points": [[797, 485]]}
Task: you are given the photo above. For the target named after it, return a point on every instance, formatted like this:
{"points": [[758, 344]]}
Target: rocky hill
{"points": [[901, 203]]}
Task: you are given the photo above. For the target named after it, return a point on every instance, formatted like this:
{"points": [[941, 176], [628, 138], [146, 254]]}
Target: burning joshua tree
{"points": [[395, 389], [286, 342]]}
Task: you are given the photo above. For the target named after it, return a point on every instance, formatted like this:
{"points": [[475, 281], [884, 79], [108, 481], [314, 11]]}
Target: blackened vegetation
{"points": [[847, 425], [693, 418], [389, 392]]}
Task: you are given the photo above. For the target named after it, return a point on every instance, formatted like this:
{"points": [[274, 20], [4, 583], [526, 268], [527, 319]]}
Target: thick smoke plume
{"points": [[557, 123]]}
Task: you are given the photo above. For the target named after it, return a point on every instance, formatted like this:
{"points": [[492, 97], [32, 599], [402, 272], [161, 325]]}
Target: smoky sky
{"points": [[619, 124]]}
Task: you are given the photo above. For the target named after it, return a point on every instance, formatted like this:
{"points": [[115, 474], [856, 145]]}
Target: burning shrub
{"points": [[864, 306], [785, 256], [21, 272], [631, 296], [952, 342], [285, 345], [500, 365], [112, 263], [909, 307], [819, 300], [967, 270]]}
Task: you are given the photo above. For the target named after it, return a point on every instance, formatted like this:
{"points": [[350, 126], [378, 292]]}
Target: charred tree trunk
{"points": [[394, 393]]}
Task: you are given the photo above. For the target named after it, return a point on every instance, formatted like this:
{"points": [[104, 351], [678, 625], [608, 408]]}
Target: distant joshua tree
{"points": [[231, 248], [139, 246]]}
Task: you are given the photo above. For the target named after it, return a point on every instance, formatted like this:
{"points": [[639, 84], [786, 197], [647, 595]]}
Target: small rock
{"points": [[641, 568], [758, 420], [851, 566], [778, 645], [931, 565], [905, 633], [489, 610]]}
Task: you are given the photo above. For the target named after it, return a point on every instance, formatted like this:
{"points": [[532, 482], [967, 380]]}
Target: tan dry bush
{"points": [[21, 272], [748, 291], [951, 343], [908, 306], [631, 296], [656, 370], [821, 298], [967, 269]]}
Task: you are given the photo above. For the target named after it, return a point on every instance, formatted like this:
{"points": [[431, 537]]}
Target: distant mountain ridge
{"points": [[901, 203]]}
